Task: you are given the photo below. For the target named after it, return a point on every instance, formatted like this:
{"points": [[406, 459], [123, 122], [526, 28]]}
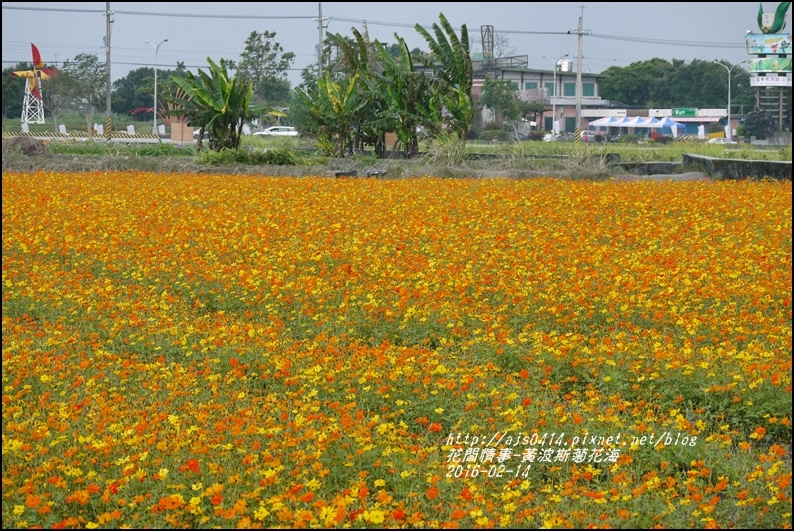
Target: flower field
{"points": [[184, 350]]}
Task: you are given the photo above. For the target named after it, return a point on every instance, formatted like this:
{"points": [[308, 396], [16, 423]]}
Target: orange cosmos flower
{"points": [[80, 496], [32, 501], [190, 464], [777, 450], [169, 503]]}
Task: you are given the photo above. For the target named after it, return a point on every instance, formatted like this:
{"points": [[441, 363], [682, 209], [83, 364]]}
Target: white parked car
{"points": [[559, 137], [278, 130], [721, 141]]}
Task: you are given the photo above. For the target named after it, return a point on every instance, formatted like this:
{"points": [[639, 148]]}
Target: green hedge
{"points": [[274, 157]]}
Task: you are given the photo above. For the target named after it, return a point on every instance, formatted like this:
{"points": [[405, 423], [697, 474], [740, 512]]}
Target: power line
{"points": [[617, 38], [644, 40], [161, 65], [666, 42], [53, 9], [153, 14]]}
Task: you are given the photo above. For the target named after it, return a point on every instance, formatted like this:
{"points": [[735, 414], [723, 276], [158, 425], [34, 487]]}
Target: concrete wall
{"points": [[731, 169], [736, 169]]}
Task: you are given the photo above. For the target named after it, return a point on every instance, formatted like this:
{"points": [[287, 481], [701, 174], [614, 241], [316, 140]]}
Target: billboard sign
{"points": [[770, 64], [772, 44], [771, 80]]}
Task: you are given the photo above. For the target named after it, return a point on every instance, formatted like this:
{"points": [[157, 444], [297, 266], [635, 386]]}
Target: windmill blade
{"points": [[47, 73], [23, 73], [36, 57]]}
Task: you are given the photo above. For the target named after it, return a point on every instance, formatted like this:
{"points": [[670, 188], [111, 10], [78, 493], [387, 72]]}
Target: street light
{"points": [[730, 130], [154, 129], [554, 100]]}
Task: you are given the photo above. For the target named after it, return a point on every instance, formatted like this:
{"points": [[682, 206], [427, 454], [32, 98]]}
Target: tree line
{"points": [[365, 89], [80, 84]]}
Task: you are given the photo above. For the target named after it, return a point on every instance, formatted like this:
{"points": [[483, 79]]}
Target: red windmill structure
{"points": [[32, 106]]}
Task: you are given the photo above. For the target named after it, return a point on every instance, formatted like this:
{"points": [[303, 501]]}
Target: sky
{"points": [[615, 33]]}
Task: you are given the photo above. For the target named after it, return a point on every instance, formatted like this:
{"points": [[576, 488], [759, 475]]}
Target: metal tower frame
{"points": [[32, 107]]}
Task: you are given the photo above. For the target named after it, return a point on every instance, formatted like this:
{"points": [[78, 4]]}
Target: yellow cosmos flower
{"points": [[261, 513], [374, 516]]}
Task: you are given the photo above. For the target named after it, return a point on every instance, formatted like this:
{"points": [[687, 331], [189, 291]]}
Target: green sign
{"points": [[770, 64], [684, 112]]}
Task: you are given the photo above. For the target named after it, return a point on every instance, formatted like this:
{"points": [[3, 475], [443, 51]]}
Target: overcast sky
{"points": [[616, 33]]}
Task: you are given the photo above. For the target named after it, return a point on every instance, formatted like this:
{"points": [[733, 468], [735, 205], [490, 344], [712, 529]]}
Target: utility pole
{"points": [[580, 32], [108, 115], [320, 42]]}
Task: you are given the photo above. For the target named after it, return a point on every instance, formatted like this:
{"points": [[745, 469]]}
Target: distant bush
{"points": [[275, 157], [101, 147], [758, 124], [490, 135], [630, 139]]}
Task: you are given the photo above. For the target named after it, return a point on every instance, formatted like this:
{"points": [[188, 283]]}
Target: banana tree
{"points": [[334, 108], [454, 74], [407, 95], [215, 102], [358, 56]]}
